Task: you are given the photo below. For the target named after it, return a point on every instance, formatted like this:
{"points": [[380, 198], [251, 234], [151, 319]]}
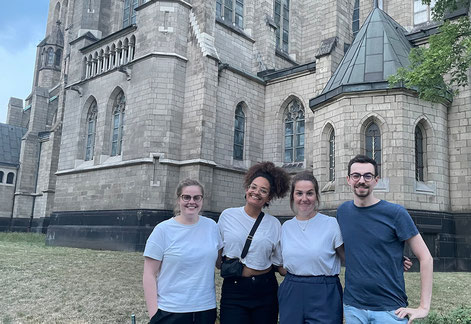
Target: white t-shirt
{"points": [[188, 254], [308, 247], [235, 225]]}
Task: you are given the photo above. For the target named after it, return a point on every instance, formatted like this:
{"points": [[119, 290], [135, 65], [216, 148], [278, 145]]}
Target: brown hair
{"points": [[363, 159], [276, 176], [185, 183], [304, 176]]}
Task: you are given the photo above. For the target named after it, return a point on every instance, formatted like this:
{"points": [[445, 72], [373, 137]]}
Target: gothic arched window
{"points": [[239, 132], [10, 178], [50, 57], [419, 154], [373, 144], [118, 124], [57, 59], [294, 132], [332, 156], [91, 131], [1, 176]]}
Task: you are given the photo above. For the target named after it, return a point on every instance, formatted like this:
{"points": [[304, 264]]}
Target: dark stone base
{"points": [[38, 225], [447, 235], [123, 230]]}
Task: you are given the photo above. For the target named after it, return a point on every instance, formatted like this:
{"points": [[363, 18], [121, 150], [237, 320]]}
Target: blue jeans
{"points": [[355, 315]]}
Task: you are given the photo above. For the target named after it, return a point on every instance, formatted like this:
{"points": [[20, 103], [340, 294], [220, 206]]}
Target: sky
{"points": [[22, 28]]}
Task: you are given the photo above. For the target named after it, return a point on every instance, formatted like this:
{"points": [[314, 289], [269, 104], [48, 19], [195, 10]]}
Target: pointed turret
{"points": [[378, 50]]}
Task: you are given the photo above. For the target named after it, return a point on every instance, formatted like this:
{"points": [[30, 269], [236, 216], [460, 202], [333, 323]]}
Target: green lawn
{"points": [[41, 284]]}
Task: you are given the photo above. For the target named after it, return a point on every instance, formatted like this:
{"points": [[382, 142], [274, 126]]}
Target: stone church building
{"points": [[131, 96]]}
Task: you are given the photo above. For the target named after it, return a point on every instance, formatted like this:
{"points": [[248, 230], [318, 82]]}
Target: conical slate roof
{"points": [[378, 50]]}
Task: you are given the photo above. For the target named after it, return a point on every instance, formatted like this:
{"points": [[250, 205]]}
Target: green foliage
{"points": [[449, 53], [460, 315], [443, 7]]}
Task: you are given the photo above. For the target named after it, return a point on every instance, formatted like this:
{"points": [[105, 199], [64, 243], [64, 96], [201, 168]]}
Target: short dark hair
{"points": [[360, 158], [303, 176]]}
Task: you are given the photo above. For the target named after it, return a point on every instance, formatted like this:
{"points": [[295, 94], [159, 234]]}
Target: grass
{"points": [[41, 284]]}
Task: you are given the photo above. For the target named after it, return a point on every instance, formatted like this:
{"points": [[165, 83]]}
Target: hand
{"points": [[407, 263], [413, 313]]}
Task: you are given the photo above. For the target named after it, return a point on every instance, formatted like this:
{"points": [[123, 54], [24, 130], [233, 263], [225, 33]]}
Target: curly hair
{"points": [[277, 177], [304, 176]]}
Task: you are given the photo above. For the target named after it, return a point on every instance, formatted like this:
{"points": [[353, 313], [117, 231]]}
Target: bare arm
{"points": [[149, 282], [422, 253], [282, 271], [219, 259], [341, 253]]}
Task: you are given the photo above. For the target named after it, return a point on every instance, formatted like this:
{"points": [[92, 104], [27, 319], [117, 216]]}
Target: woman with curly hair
{"points": [[252, 296]]}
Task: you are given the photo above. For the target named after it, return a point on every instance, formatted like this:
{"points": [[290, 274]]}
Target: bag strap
{"points": [[245, 250]]}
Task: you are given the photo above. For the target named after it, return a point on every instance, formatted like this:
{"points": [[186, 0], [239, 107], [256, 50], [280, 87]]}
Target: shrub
{"points": [[460, 315]]}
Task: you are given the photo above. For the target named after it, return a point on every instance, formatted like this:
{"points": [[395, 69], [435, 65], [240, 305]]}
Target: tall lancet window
{"points": [[373, 144], [419, 154], [239, 132], [91, 131], [281, 16], [356, 18], [129, 15], [294, 132], [332, 156], [118, 124]]}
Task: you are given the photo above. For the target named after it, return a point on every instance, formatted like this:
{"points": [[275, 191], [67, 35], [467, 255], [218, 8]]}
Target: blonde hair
{"points": [[185, 183]]}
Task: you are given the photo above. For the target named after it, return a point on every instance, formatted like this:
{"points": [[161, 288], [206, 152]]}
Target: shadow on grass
{"points": [[35, 238]]}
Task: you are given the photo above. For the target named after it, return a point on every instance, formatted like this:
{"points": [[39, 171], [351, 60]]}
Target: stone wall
{"points": [[396, 114]]}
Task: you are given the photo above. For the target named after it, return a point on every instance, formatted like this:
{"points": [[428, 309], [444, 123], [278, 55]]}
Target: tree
{"points": [[441, 69]]}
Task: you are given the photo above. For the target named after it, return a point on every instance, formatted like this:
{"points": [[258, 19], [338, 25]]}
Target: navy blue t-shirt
{"points": [[374, 242]]}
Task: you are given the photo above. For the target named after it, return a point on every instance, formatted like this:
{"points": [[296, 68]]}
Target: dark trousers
{"points": [[251, 300], [203, 317], [310, 299]]}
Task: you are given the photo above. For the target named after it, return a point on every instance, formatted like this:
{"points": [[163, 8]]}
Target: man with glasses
{"points": [[374, 232]]}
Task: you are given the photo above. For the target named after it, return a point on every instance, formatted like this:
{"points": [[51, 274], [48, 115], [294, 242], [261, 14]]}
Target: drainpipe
{"points": [[35, 186], [13, 204]]}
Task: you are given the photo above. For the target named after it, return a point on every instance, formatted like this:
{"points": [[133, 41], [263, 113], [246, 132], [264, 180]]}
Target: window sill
{"points": [[383, 185], [234, 29], [329, 186], [424, 188], [285, 56]]}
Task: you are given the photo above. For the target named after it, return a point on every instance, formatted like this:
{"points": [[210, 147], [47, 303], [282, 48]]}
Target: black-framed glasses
{"points": [[357, 176], [196, 198]]}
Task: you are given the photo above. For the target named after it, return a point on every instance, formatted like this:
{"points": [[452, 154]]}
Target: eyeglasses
{"points": [[196, 198], [263, 192], [357, 176]]}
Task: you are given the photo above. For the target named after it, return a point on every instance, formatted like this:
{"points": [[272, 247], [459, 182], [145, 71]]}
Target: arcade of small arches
{"points": [[109, 57], [7, 178]]}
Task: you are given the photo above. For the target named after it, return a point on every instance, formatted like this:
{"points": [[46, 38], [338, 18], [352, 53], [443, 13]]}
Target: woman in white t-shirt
{"points": [[312, 246], [180, 257], [252, 297]]}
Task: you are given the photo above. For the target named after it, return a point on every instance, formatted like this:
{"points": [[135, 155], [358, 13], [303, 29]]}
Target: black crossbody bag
{"points": [[233, 267]]}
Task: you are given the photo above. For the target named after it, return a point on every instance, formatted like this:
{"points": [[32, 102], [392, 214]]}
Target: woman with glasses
{"points": [[252, 296], [312, 247], [180, 256]]}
